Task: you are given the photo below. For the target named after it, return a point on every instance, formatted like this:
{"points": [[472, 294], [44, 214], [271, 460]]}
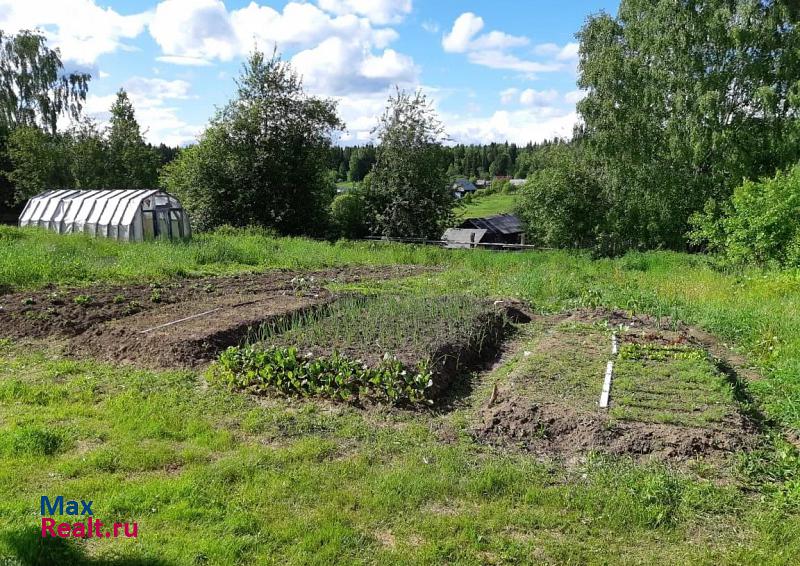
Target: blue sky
{"points": [[500, 70]]}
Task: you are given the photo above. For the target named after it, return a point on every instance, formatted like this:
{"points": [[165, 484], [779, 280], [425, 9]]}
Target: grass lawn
{"points": [[489, 205], [214, 477]]}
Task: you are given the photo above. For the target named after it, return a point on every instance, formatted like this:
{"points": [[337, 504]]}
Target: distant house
{"points": [[499, 229], [482, 183], [463, 187], [518, 183]]}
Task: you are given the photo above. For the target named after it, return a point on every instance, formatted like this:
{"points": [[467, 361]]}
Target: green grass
{"points": [[216, 478], [677, 385], [219, 478], [488, 205]]}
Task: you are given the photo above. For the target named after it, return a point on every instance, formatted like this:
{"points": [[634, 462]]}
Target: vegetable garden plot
{"points": [[668, 398], [388, 348]]}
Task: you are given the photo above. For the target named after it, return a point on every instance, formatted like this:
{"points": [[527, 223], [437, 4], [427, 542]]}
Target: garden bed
{"points": [[410, 348], [670, 399]]}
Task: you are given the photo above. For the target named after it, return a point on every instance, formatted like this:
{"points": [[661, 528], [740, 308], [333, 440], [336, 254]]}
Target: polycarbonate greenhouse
{"points": [[133, 215]]}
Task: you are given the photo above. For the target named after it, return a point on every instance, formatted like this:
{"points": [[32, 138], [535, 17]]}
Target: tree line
{"points": [[353, 163]]}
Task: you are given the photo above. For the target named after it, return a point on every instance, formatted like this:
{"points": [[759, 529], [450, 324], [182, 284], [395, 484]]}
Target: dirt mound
{"points": [[189, 335], [554, 429]]}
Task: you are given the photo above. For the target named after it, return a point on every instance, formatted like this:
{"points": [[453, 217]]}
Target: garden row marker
{"points": [[604, 395], [606, 386], [181, 320]]}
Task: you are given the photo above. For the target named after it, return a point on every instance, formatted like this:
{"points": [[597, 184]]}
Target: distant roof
{"points": [[465, 185], [502, 224]]}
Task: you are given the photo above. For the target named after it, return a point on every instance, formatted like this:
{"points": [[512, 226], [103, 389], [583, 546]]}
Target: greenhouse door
{"points": [[162, 225]]}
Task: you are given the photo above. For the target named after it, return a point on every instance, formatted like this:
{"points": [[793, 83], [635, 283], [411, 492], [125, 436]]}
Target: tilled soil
{"points": [[556, 429], [531, 415], [182, 323]]}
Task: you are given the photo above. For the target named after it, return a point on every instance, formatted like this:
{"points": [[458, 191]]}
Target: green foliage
{"points": [[409, 193], [83, 299], [759, 225], [82, 157], [40, 161], [34, 89], [285, 371], [348, 215], [561, 204], [132, 164], [685, 99], [264, 158]]}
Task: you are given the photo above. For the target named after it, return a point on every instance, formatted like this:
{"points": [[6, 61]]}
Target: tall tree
{"points": [[34, 89], [686, 98], [132, 164], [409, 193], [264, 159]]}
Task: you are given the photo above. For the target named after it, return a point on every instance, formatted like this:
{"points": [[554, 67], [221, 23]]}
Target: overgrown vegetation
{"points": [[758, 226], [684, 100]]}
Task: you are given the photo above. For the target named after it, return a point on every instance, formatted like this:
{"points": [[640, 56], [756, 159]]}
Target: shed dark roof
{"points": [[465, 185], [502, 224]]}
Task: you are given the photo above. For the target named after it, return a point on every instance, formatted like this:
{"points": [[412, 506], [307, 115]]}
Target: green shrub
{"points": [[348, 213], [760, 224], [83, 299], [285, 371]]}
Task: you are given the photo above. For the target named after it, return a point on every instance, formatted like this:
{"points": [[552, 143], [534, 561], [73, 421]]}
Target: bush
{"points": [[348, 214], [760, 224], [560, 203], [285, 371]]}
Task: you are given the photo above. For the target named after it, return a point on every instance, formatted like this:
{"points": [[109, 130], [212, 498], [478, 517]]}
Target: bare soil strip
{"points": [[141, 324]]}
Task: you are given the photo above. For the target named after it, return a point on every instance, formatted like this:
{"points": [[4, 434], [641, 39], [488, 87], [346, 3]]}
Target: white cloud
{"points": [[195, 30], [502, 60], [530, 97], [575, 96], [337, 53], [184, 60], [518, 127], [337, 67], [377, 11], [430, 26], [509, 95], [569, 52], [492, 49], [151, 101], [81, 29], [465, 28]]}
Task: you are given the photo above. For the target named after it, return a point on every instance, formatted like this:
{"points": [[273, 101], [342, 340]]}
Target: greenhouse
{"points": [[132, 215]]}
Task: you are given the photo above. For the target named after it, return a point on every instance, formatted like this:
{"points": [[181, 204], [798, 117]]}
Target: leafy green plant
{"points": [[132, 308], [118, 299], [83, 299], [286, 371], [29, 301], [155, 296]]}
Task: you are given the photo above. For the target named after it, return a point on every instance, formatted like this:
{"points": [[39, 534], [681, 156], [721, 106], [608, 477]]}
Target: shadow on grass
{"points": [[30, 549]]}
